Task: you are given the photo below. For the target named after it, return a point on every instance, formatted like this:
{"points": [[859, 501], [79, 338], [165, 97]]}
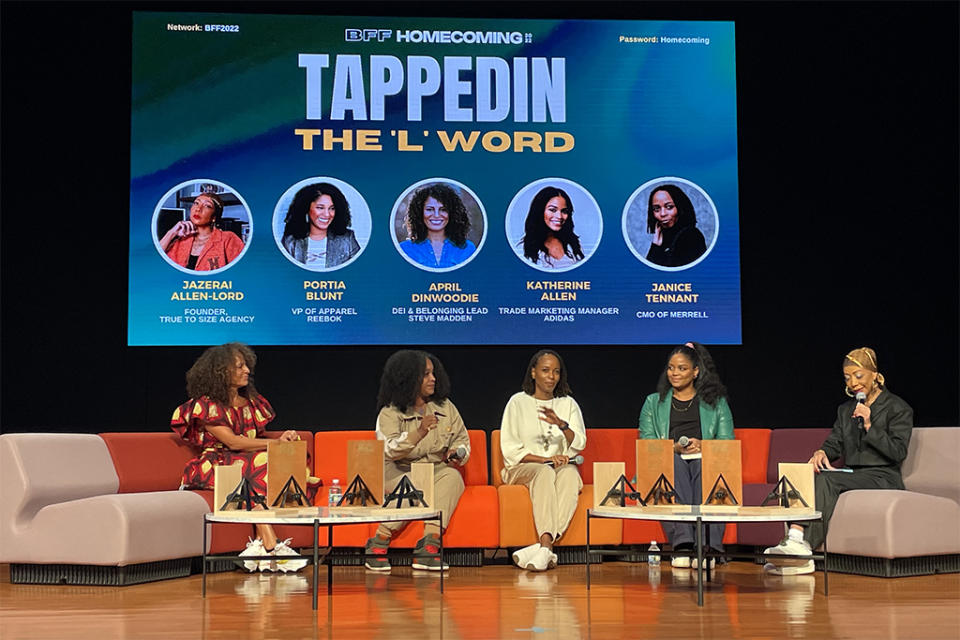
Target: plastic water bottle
{"points": [[335, 492], [653, 557]]}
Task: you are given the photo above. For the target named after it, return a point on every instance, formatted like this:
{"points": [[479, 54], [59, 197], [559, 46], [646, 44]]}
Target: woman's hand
{"points": [[289, 436], [182, 229], [549, 416], [693, 446], [861, 410], [427, 424], [559, 461], [820, 461], [658, 235]]}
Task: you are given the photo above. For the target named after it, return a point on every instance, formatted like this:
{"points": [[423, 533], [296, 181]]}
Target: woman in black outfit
{"points": [[673, 222]]}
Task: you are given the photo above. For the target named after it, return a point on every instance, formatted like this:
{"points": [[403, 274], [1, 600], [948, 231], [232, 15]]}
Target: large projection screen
{"points": [[318, 180]]}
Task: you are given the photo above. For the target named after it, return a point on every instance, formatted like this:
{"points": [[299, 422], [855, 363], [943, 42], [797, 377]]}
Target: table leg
{"points": [[699, 561], [330, 560], [203, 583], [588, 549], [826, 589], [440, 524], [316, 555]]}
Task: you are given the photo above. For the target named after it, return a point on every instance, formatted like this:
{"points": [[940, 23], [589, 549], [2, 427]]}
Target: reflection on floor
{"points": [[626, 601]]}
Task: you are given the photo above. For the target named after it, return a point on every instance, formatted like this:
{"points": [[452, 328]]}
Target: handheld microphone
{"points": [[861, 399], [459, 454], [577, 460], [683, 441]]}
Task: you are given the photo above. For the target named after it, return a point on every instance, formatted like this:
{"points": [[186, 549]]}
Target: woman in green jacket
{"points": [[690, 402]]}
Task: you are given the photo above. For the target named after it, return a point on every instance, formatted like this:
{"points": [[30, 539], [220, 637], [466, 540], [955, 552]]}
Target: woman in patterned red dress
{"points": [[226, 419]]}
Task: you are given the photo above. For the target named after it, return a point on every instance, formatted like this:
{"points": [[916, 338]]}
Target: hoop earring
{"points": [[846, 390]]}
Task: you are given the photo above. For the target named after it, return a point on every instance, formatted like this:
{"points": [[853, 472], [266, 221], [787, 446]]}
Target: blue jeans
{"points": [[686, 483]]}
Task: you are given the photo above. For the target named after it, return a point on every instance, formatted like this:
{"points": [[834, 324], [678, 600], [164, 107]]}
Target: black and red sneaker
{"points": [[426, 555], [376, 554]]}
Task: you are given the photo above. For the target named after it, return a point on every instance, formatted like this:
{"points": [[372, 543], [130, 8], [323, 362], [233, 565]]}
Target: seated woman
{"points": [[872, 433], [672, 220], [542, 429], [316, 230], [438, 225], [549, 240], [690, 402], [197, 243], [418, 423], [226, 420]]}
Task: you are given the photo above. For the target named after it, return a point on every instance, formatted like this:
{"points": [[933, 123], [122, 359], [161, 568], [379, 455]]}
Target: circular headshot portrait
{"points": [[670, 224], [321, 224], [439, 225], [554, 225], [202, 226]]}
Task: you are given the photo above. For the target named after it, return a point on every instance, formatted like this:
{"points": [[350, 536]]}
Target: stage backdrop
{"points": [[441, 181]]}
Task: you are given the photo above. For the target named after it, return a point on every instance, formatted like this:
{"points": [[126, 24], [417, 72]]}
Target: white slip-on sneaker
{"points": [[540, 561], [254, 548], [283, 550], [708, 563], [790, 547], [522, 556]]}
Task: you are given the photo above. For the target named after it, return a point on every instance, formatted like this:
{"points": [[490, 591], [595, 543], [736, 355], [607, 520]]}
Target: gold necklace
{"points": [[676, 407]]}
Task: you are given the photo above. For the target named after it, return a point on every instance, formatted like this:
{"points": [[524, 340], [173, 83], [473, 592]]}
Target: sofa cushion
{"points": [[118, 529], [886, 523], [40, 469], [792, 445], [148, 461], [755, 452], [931, 464], [154, 461]]}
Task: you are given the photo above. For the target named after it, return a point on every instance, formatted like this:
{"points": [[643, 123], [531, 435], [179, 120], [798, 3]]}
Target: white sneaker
{"points": [[799, 570], [790, 547], [680, 562], [283, 550], [254, 548], [540, 561], [708, 563], [521, 557]]}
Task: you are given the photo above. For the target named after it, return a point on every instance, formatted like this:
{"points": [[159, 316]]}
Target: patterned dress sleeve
{"points": [[191, 418]]}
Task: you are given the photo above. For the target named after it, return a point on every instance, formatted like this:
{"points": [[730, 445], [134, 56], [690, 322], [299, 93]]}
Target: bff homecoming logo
{"points": [[437, 36]]}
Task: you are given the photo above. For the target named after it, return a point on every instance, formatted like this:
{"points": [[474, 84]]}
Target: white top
{"points": [[522, 431], [317, 251]]}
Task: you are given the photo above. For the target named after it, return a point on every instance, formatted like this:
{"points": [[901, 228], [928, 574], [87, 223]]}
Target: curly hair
{"points": [[686, 214], [458, 223], [529, 386], [536, 230], [403, 376], [210, 374], [297, 222], [707, 384]]}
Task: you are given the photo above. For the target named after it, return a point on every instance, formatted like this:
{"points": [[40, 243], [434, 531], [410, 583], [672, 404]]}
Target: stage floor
{"points": [[495, 601]]}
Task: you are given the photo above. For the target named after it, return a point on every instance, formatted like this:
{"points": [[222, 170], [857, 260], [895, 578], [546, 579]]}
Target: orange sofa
{"points": [[474, 524]]}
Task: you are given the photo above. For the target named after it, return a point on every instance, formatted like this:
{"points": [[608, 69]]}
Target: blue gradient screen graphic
{"points": [[318, 180]]}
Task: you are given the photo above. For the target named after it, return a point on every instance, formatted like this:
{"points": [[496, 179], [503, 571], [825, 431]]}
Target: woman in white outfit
{"points": [[542, 429]]}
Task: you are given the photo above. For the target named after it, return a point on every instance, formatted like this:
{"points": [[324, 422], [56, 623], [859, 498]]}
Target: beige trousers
{"points": [[553, 493], [447, 489]]}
